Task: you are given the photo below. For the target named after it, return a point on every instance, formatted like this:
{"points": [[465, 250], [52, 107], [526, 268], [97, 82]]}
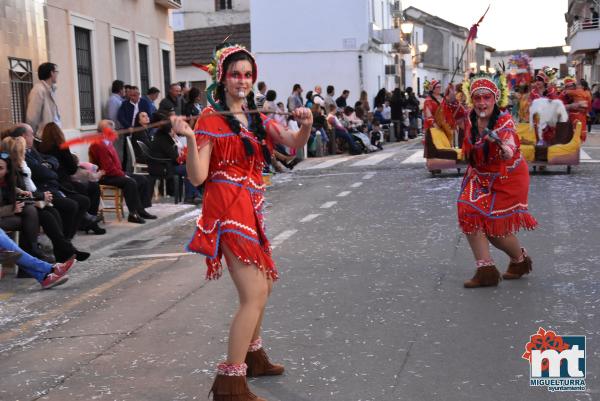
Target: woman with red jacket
{"points": [[136, 189]]}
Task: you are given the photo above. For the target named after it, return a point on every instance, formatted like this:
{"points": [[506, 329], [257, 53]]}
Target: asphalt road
{"points": [[370, 304]]}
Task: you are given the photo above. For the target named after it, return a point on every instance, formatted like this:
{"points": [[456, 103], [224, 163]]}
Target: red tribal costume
{"points": [[493, 195], [233, 199], [579, 102]]}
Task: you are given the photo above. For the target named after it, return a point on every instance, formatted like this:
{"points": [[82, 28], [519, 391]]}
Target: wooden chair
{"points": [[114, 194]]}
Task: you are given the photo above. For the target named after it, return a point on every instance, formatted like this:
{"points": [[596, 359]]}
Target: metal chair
{"points": [[163, 169]]}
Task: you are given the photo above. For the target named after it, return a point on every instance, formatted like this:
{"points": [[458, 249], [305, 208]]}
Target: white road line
{"points": [[373, 160], [368, 176], [156, 255], [282, 237], [344, 193], [327, 205], [309, 217], [415, 158], [329, 163], [583, 155], [356, 185]]}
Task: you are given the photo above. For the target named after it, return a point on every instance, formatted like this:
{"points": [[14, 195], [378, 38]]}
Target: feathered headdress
{"points": [[496, 84], [430, 85], [215, 67]]}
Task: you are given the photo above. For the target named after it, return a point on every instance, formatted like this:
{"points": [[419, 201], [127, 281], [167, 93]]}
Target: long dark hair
{"points": [[10, 180], [255, 123], [475, 130]]}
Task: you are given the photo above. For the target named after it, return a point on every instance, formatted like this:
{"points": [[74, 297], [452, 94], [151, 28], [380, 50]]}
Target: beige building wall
{"points": [[131, 23], [22, 36]]}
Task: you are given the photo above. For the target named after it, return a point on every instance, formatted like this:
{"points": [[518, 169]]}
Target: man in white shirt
{"points": [[114, 102], [41, 102]]}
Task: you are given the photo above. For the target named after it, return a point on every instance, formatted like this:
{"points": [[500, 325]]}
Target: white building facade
{"points": [[445, 43], [342, 43]]}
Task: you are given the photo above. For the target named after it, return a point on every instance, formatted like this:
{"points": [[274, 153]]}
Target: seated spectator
{"points": [[71, 205], [87, 197], [48, 217], [319, 126], [136, 189], [166, 145], [145, 136], [46, 274], [363, 136], [378, 115], [15, 214], [359, 111], [309, 99], [193, 107], [341, 131], [376, 135], [350, 120]]}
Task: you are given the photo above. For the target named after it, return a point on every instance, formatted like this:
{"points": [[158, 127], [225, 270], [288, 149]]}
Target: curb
{"points": [[134, 231]]}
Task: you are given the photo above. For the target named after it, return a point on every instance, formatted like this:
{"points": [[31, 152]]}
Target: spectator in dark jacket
{"points": [[397, 105], [341, 101], [52, 139], [166, 145], [193, 107], [173, 100]]}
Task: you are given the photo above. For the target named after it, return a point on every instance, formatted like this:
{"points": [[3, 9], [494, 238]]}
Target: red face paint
{"points": [[238, 76], [483, 97]]}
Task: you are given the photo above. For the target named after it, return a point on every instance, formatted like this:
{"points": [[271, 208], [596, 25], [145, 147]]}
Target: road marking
{"points": [[356, 185], [308, 218], [583, 155], [585, 158], [157, 255], [368, 176], [6, 296], [282, 237], [373, 160], [78, 300], [329, 163], [327, 205], [344, 193], [415, 158]]}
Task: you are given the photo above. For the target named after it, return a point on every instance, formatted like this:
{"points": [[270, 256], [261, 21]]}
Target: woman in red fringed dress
{"points": [[231, 224], [432, 103], [492, 205]]}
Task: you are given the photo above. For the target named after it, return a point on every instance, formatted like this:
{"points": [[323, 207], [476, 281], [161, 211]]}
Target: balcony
{"points": [[172, 4], [584, 35]]}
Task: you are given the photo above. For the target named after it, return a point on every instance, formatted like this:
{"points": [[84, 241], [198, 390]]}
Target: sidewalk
{"points": [[116, 231]]}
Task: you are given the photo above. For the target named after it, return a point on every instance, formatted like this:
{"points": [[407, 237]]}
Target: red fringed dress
{"points": [[233, 199], [493, 195], [430, 104]]}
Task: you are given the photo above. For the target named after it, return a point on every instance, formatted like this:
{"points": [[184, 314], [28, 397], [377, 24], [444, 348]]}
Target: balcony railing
{"points": [[582, 25], [173, 4]]}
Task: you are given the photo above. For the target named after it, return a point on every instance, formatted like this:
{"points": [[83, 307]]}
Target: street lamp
{"points": [[418, 54], [406, 27], [423, 48], [492, 70], [566, 49], [473, 66]]}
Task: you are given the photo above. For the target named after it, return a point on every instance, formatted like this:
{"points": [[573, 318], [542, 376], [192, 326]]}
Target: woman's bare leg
{"points": [[509, 245], [257, 331], [479, 246], [253, 288]]}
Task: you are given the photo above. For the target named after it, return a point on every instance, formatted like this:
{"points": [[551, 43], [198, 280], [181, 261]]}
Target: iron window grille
{"points": [[83, 51], [21, 82]]}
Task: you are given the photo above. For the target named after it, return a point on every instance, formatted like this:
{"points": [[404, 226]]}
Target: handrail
{"points": [[585, 24]]}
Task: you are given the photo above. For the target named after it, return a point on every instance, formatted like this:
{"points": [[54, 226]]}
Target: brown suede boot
{"points": [[485, 276], [232, 385], [516, 270], [259, 364]]}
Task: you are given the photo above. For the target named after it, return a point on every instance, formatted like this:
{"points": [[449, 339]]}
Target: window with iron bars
{"points": [[144, 73], [21, 82], [83, 52], [222, 5]]}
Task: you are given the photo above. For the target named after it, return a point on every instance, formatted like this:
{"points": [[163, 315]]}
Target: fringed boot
{"points": [[258, 361], [231, 385], [486, 275], [517, 268]]}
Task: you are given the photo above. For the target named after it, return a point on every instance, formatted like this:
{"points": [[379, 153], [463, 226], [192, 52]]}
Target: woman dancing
{"points": [[492, 205], [228, 152]]}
